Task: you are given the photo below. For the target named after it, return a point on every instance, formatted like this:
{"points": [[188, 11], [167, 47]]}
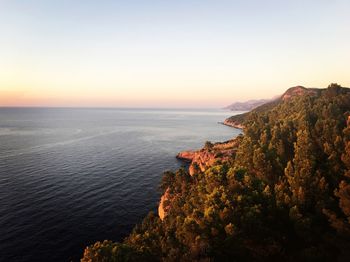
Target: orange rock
{"points": [[201, 160], [234, 124], [162, 210]]}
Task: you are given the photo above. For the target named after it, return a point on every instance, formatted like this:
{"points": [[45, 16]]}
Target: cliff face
{"points": [[201, 160], [206, 157], [186, 156], [162, 208], [233, 123]]}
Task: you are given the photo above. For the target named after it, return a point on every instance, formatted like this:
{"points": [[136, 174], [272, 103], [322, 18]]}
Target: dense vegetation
{"points": [[285, 194]]}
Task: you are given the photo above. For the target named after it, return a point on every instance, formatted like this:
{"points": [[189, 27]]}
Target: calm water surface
{"points": [[70, 177]]}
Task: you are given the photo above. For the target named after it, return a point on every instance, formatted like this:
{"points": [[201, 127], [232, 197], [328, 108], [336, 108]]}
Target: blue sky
{"points": [[168, 53]]}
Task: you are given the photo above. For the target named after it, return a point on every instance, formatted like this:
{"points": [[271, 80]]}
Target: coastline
{"points": [[253, 196], [233, 124]]}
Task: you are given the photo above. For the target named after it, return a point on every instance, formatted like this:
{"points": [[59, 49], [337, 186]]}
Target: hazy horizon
{"points": [[121, 107], [183, 54]]}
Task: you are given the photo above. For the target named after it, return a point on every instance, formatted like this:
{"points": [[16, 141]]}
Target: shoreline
{"points": [[232, 124]]}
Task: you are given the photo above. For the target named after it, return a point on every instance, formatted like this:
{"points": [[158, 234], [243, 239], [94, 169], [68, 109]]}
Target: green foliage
{"points": [[107, 251], [286, 194]]}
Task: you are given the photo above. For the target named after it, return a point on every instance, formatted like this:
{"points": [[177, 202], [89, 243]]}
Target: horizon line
{"points": [[105, 107]]}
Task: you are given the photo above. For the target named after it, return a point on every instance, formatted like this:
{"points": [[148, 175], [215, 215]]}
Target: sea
{"points": [[72, 176]]}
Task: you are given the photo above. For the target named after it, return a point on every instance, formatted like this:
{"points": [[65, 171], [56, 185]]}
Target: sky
{"points": [[168, 53]]}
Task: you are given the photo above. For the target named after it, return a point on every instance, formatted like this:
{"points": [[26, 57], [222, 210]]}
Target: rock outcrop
{"points": [[162, 208], [186, 156], [234, 124], [200, 161], [299, 91], [206, 157]]}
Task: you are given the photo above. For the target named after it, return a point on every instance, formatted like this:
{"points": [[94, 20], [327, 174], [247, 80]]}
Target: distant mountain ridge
{"points": [[247, 105]]}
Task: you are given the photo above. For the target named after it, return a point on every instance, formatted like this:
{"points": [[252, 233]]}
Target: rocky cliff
{"points": [[206, 157], [162, 208], [201, 160], [233, 123], [299, 91]]}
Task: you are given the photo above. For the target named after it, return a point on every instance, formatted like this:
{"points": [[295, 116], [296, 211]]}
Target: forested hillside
{"points": [[283, 195]]}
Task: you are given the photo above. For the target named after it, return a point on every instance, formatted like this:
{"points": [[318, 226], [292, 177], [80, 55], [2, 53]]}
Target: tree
{"points": [[208, 145]]}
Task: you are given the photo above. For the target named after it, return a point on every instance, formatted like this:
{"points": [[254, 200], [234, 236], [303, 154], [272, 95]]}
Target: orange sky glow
{"points": [[167, 54]]}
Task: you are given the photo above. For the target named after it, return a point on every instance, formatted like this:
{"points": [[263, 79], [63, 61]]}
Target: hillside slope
{"points": [[237, 121], [283, 194]]}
